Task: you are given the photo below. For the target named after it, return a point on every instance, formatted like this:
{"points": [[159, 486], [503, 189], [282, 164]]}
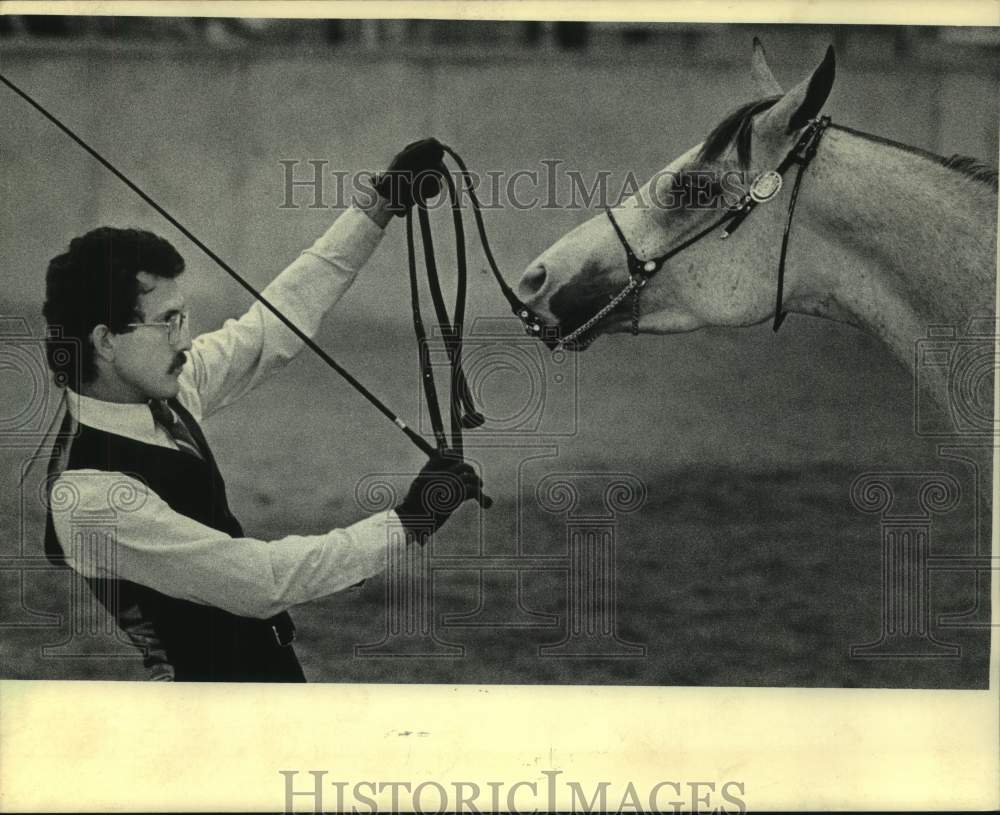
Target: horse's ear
{"points": [[802, 103], [760, 73]]}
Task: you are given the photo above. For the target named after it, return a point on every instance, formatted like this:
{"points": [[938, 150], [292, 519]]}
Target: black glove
{"points": [[413, 177], [442, 486]]}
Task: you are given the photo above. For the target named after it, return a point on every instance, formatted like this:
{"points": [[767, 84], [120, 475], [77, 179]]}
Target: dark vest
{"points": [[203, 643]]}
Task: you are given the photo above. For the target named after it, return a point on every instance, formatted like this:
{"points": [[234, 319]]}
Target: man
{"points": [[203, 601]]}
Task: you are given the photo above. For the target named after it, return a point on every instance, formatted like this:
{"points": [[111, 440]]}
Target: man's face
{"points": [[146, 363]]}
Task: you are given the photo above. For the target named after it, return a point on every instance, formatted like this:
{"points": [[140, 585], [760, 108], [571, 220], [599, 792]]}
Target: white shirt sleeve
{"points": [[224, 364], [147, 542]]}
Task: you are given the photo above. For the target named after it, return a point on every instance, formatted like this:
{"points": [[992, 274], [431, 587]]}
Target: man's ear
{"points": [[102, 340], [803, 102]]}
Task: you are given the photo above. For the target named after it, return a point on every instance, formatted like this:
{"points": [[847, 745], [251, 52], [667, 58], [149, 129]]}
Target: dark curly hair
{"points": [[94, 283]]}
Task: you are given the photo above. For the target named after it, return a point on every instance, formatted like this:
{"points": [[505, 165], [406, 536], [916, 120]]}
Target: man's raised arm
{"points": [[223, 365]]}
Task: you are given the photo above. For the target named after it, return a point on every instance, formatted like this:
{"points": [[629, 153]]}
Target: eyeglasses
{"points": [[176, 326]]}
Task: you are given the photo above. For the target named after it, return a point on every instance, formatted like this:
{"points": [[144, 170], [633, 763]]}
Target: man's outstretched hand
{"points": [[441, 487], [413, 177]]}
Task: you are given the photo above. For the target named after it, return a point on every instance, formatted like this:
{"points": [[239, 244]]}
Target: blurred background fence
{"points": [[912, 42]]}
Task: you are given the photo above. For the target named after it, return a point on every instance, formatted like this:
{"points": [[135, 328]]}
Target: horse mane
{"points": [[738, 126], [971, 167]]}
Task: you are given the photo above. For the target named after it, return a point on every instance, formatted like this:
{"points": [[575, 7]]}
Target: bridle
{"points": [[765, 187]]}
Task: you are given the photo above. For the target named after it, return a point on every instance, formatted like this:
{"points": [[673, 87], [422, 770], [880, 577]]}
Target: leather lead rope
{"points": [[463, 412], [471, 417], [462, 409], [533, 324], [423, 349]]}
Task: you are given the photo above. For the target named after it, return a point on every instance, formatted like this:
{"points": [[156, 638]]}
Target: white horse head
{"points": [[713, 282], [885, 236]]}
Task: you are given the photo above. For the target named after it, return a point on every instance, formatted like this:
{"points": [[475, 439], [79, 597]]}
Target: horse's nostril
{"points": [[532, 281]]}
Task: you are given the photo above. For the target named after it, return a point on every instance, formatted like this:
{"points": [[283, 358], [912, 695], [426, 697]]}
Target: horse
{"points": [[889, 238]]}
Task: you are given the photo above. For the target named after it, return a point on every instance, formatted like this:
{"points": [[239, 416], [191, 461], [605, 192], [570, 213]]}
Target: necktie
{"points": [[165, 418]]}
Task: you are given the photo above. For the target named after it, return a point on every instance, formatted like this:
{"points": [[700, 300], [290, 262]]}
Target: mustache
{"points": [[179, 362]]}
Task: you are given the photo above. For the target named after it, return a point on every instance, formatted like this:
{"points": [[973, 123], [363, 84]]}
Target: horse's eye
{"points": [[696, 189]]}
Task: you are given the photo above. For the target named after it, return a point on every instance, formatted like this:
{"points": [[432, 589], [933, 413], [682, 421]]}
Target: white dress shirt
{"points": [[180, 557]]}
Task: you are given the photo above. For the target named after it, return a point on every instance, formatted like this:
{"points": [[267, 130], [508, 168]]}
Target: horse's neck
{"points": [[897, 242]]}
